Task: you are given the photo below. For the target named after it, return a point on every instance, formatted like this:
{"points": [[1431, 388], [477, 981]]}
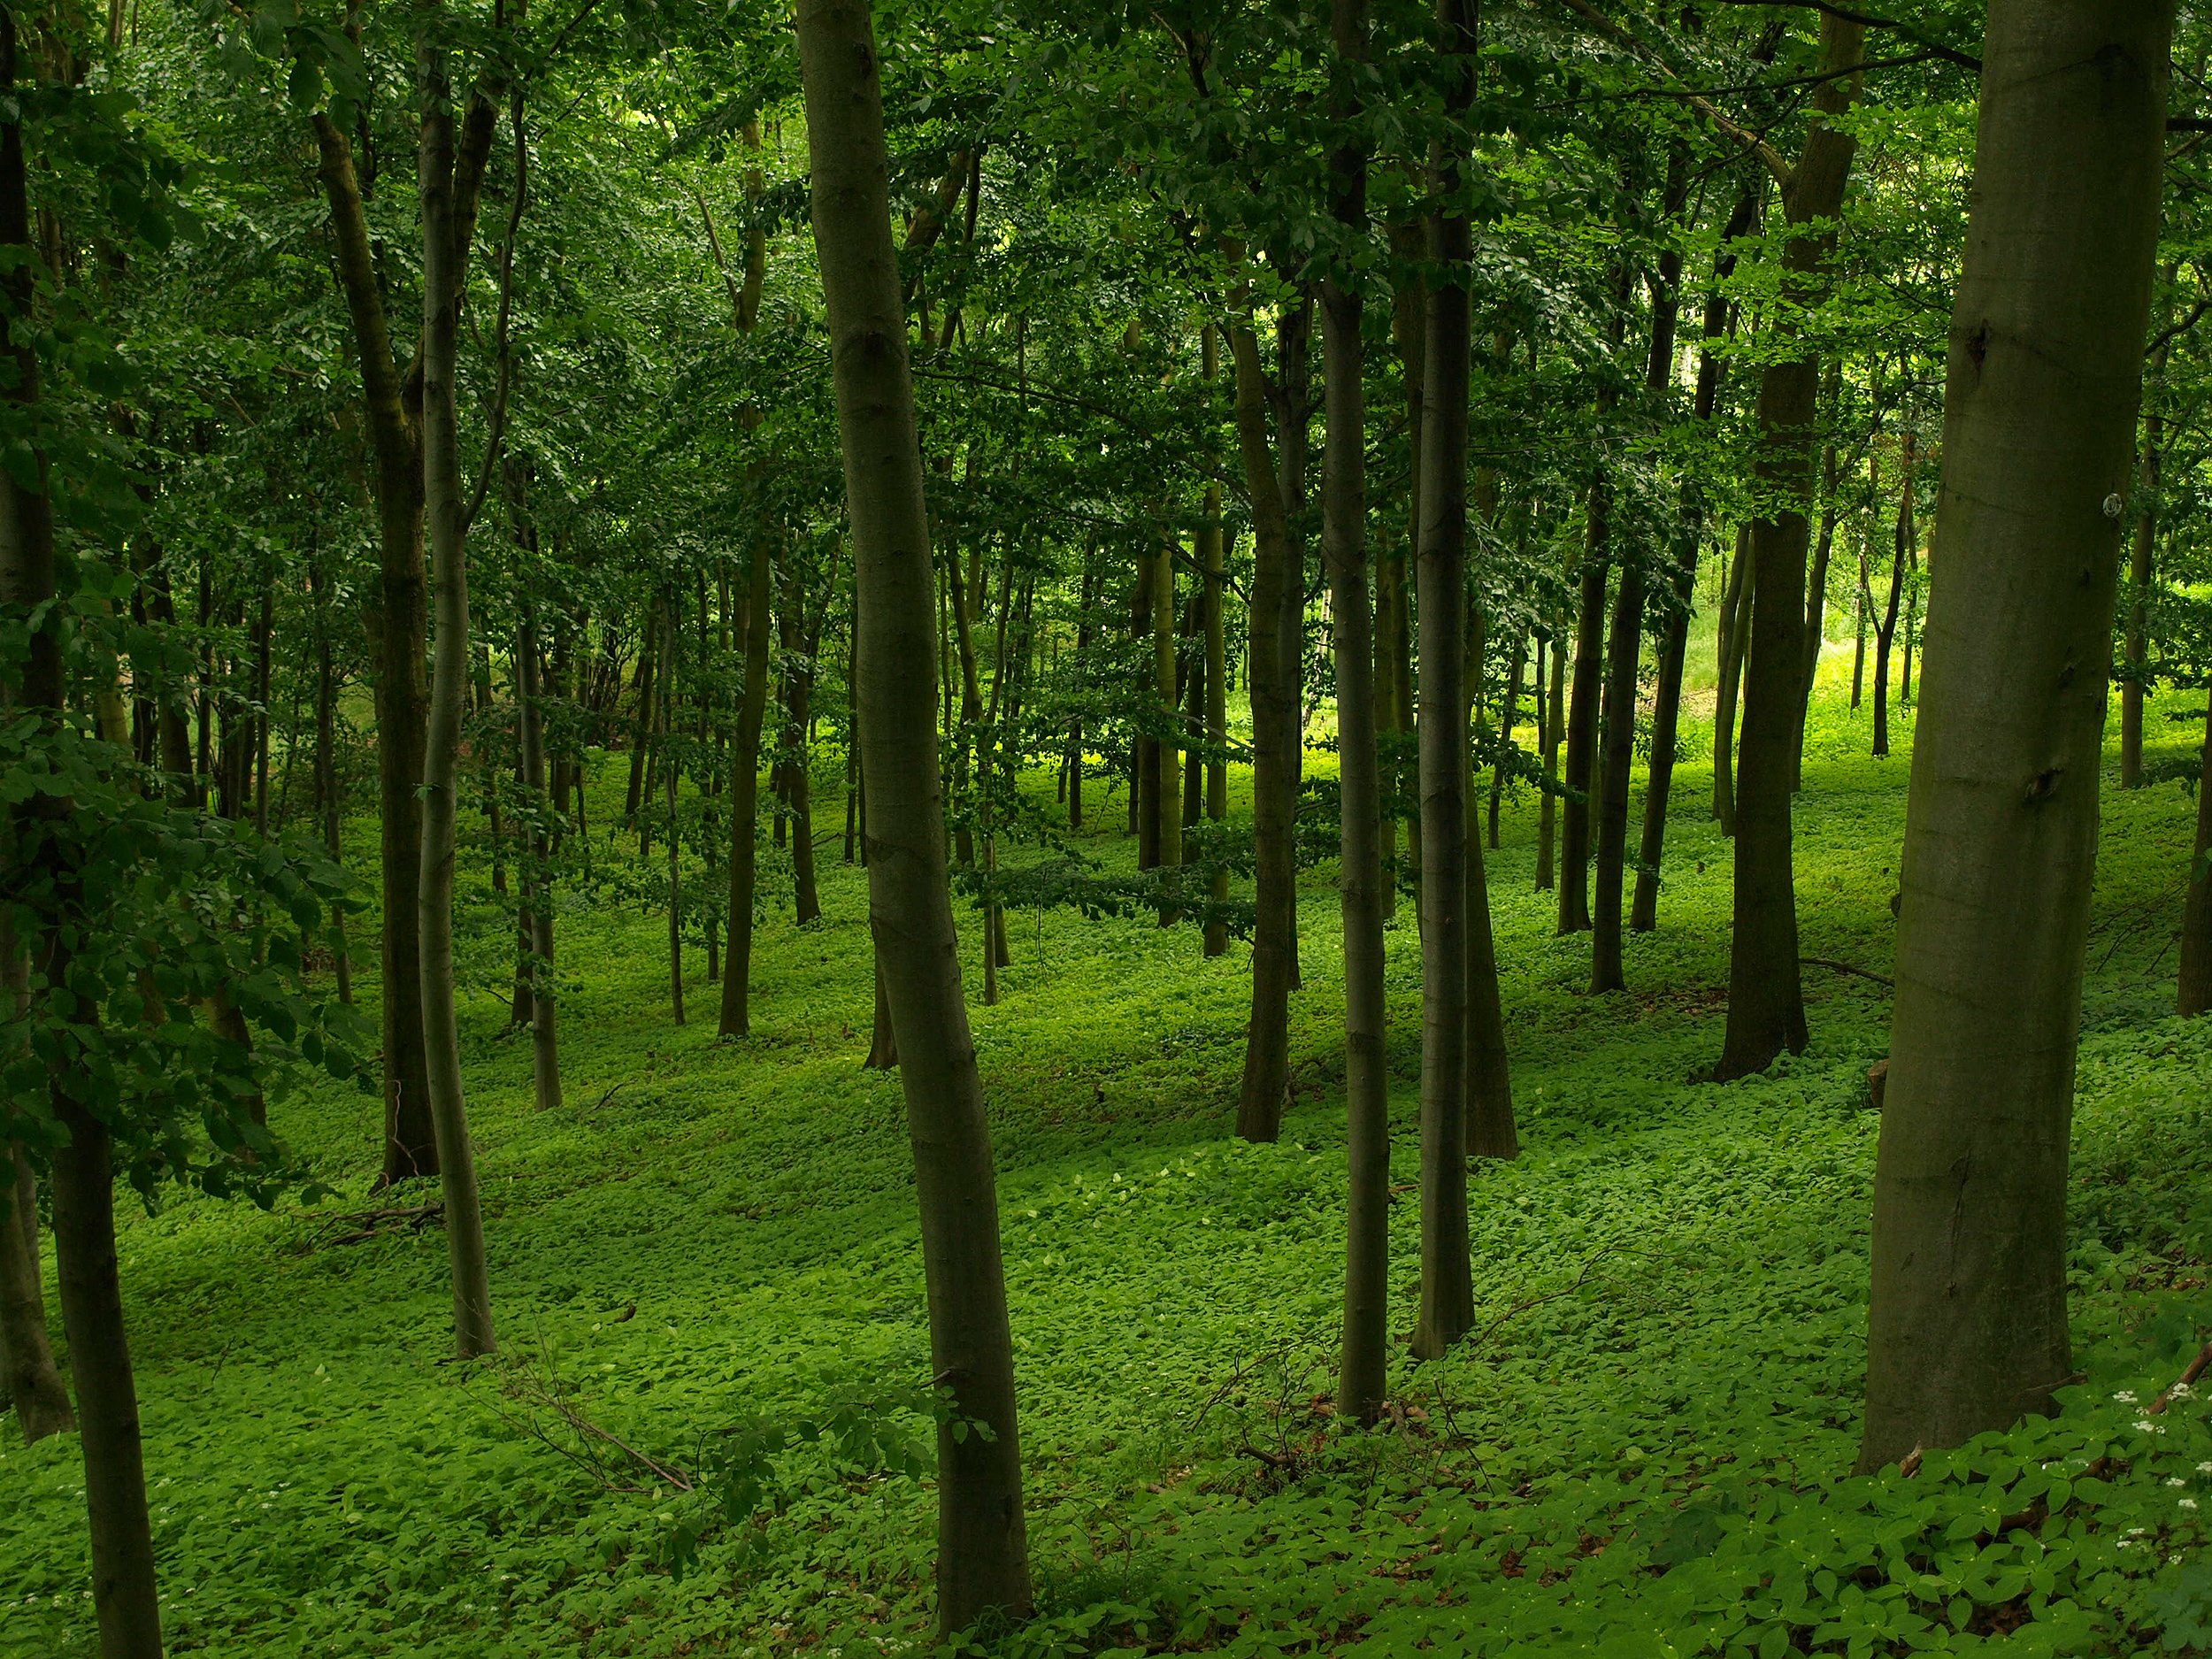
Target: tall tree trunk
{"points": [[1361, 1375], [2193, 991], [745, 799], [443, 510], [1448, 1293], [982, 1548], [123, 1589], [2142, 561], [1735, 634], [1408, 325], [537, 890], [670, 774], [1167, 790], [1274, 694], [1817, 598], [1547, 809], [1967, 1324], [1487, 1080], [1907, 532], [1582, 717], [1506, 722], [329, 809], [1766, 998], [399, 626], [1212, 560]]}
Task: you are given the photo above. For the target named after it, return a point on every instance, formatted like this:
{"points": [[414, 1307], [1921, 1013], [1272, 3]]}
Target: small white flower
{"points": [[2188, 1503], [2205, 1468], [2126, 1397], [2176, 1480], [2181, 1390], [2143, 1426]]}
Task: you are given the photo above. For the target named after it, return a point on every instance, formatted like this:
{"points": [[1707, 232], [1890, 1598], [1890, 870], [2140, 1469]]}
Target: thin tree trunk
{"points": [[670, 772], [1547, 809], [328, 809], [1448, 1295], [2141, 565], [1816, 596], [1886, 630], [745, 801], [1167, 788], [1967, 1326], [1361, 1375], [1274, 693], [444, 512], [1212, 558], [1408, 327], [1506, 724], [399, 626], [1582, 719], [537, 890], [982, 1548], [1766, 997], [1735, 633]]}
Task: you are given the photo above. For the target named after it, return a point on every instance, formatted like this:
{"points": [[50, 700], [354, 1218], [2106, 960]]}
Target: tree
{"points": [[1967, 1326], [1766, 999], [983, 1558]]}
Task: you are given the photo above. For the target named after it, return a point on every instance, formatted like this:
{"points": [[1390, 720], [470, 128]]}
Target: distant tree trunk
{"points": [[1547, 809], [1486, 1081], [1446, 1305], [1212, 558], [329, 810], [1274, 693], [1735, 633], [1885, 629], [1817, 598], [1167, 789], [2141, 563], [443, 510], [1582, 719], [123, 1588], [1967, 1326], [1912, 618], [1409, 328], [1766, 998], [670, 771], [1361, 1375], [263, 624], [1506, 722], [737, 963], [537, 894], [982, 1549], [399, 629]]}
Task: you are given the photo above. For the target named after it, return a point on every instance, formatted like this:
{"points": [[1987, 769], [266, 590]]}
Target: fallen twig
{"points": [[1833, 967]]}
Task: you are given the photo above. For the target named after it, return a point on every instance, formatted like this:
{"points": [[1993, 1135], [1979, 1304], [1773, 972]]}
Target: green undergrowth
{"points": [[709, 1255]]}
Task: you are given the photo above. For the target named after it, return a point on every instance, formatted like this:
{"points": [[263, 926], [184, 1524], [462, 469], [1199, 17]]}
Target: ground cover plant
{"points": [[715, 1261]]}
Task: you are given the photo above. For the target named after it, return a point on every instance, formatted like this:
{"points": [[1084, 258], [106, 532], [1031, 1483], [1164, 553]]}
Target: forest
{"points": [[983, 828]]}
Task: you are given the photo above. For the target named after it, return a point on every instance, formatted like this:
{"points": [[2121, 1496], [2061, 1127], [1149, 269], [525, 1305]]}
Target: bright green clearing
{"points": [[1639, 1455]]}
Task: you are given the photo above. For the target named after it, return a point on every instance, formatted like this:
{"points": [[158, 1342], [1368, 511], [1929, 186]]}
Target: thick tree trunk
{"points": [[1361, 1374], [1967, 1324], [444, 512], [1274, 693], [982, 1550], [1447, 1306], [1766, 999], [400, 627], [737, 962]]}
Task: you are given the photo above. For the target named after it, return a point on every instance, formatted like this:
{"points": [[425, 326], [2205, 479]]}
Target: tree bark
{"points": [[1886, 630], [2193, 990], [1582, 719], [1275, 562], [1967, 1324], [1735, 634], [1361, 1374], [1766, 999], [745, 801], [35, 1385], [1447, 1306], [1211, 562], [2141, 563], [400, 632], [1547, 809], [444, 513], [982, 1548], [537, 893]]}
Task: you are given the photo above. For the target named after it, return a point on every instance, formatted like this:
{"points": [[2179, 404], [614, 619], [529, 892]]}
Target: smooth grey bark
{"points": [[444, 514], [1766, 997], [1967, 1324], [1362, 1370], [983, 1560], [1448, 1295]]}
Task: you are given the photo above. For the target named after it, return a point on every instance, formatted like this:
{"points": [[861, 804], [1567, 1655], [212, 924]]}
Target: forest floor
{"points": [[710, 1254]]}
